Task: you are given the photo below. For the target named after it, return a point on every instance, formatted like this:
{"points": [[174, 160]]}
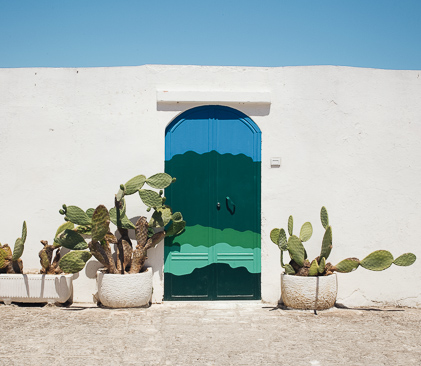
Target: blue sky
{"points": [[85, 33]]}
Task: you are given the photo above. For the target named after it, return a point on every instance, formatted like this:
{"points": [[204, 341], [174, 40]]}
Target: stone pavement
{"points": [[216, 333]]}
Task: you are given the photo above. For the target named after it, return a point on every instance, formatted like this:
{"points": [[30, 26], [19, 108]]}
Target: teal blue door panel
{"points": [[214, 152]]}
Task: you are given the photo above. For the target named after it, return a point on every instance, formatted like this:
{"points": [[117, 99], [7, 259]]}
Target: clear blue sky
{"points": [[83, 33]]}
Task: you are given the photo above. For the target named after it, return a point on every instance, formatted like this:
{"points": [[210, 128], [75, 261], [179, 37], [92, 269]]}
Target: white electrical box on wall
{"points": [[275, 162]]}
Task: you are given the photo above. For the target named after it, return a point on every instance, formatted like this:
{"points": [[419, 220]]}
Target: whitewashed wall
{"points": [[348, 138]]}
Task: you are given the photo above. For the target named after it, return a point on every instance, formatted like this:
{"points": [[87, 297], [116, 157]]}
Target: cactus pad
{"points": [[405, 259], [134, 184], [18, 249], [306, 232], [274, 236], [159, 181], [4, 253], [67, 225], [162, 217], [377, 261], [326, 243], [289, 270], [71, 240], [77, 215], [150, 198], [74, 262], [314, 269], [347, 265], [324, 217], [322, 265], [176, 228], [100, 223], [24, 231], [290, 225], [296, 250]]}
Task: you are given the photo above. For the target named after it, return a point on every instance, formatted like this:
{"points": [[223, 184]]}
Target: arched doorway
{"points": [[215, 154]]}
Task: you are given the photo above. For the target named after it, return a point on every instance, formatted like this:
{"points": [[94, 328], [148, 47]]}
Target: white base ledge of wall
{"points": [[176, 96]]}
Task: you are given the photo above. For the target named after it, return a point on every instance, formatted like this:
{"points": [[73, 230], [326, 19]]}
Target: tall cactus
{"points": [[378, 260], [95, 223], [10, 262]]}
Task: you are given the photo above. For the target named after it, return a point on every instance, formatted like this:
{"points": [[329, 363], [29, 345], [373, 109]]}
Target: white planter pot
{"points": [[125, 291], [36, 288], [309, 293]]}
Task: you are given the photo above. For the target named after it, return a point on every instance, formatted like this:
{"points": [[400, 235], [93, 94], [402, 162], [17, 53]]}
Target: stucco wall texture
{"points": [[348, 139]]}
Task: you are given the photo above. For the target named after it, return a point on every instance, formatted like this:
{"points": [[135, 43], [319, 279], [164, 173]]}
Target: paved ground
{"points": [[218, 333]]}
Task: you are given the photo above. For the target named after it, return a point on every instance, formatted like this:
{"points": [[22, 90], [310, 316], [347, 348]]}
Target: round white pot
{"points": [[125, 291], [309, 293]]}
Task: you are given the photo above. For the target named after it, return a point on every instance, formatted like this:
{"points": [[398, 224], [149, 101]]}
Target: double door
{"points": [[214, 152]]}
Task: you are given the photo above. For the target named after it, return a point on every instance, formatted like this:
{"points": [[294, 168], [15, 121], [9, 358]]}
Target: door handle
{"points": [[229, 203]]}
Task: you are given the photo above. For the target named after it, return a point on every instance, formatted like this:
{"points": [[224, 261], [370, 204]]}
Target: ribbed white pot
{"points": [[36, 288], [125, 291], [309, 293]]}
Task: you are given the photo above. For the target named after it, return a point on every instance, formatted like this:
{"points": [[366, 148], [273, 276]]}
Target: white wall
{"points": [[348, 138]]}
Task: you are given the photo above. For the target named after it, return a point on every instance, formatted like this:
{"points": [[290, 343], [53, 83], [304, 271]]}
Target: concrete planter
{"points": [[36, 288], [309, 293], [125, 291]]}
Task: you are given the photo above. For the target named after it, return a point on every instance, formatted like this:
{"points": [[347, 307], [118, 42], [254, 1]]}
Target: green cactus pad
{"points": [[282, 241], [290, 225], [150, 198], [18, 249], [314, 269], [177, 216], [161, 217], [90, 212], [274, 236], [377, 261], [3, 255], [74, 262], [296, 250], [123, 221], [67, 225], [326, 243], [347, 265], [100, 223], [324, 217], [405, 259], [77, 216], [306, 232], [134, 184], [176, 228], [24, 232], [71, 240], [289, 270], [159, 181], [322, 265]]}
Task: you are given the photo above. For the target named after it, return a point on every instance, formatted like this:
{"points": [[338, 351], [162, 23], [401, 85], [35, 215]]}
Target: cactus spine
{"points": [[378, 260]]}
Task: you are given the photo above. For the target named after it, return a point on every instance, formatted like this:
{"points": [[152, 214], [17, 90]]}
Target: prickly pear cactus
{"points": [[96, 224], [379, 260]]}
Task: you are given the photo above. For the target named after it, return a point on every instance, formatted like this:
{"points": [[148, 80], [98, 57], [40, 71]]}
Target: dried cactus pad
{"points": [[74, 262], [377, 261], [405, 259], [100, 223]]}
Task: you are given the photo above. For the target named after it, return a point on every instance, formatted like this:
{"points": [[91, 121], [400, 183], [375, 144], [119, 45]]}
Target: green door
{"points": [[214, 152]]}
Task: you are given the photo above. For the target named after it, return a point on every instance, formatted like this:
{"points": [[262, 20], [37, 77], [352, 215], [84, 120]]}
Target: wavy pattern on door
{"points": [[214, 152]]}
